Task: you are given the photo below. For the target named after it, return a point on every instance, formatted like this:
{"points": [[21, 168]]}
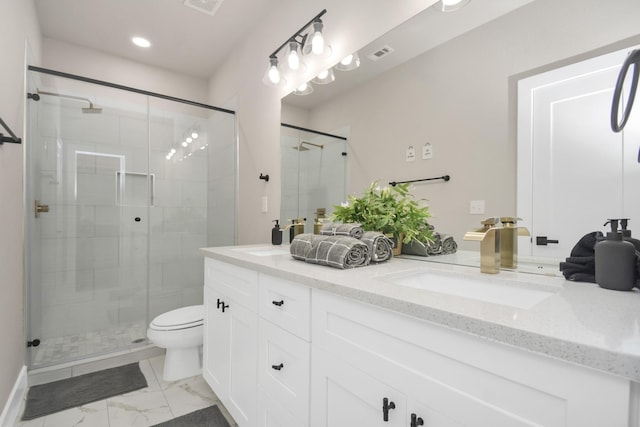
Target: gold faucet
{"points": [[509, 241], [489, 238], [296, 227]]}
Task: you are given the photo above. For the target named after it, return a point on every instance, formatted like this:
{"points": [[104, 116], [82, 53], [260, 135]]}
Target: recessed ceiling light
{"points": [[140, 41]]}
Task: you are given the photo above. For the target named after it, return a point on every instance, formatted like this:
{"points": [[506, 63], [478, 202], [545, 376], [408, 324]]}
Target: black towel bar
{"points": [[443, 177], [13, 139]]}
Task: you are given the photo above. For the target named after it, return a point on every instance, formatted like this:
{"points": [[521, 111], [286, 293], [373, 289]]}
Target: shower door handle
{"points": [[40, 208]]}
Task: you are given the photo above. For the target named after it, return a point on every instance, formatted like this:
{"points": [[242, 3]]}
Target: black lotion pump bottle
{"points": [[276, 234], [615, 261]]}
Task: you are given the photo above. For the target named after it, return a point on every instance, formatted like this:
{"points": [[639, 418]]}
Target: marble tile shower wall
{"points": [[95, 256]]}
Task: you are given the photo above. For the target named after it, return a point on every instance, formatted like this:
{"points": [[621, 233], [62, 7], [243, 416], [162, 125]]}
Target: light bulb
{"points": [[317, 42], [189, 140], [302, 87], [293, 59], [274, 74], [323, 74], [173, 151], [347, 59], [194, 135], [168, 157], [184, 143]]}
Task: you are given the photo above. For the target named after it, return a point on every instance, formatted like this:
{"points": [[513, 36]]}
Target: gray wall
{"points": [[19, 27], [460, 97]]}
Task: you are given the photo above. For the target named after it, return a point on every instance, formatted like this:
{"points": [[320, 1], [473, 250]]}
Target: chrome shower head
{"points": [[90, 109]]}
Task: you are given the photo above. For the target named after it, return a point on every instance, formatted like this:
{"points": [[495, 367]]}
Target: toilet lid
{"points": [[185, 317]]}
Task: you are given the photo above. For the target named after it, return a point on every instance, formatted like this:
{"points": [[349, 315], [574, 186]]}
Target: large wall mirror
{"points": [[451, 80]]}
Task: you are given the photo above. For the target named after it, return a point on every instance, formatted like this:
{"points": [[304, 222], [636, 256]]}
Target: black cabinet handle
{"points": [[277, 367], [416, 421], [222, 305], [278, 303], [386, 405], [544, 241]]}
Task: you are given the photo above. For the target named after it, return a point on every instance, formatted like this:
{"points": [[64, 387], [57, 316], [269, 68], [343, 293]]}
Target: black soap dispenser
{"points": [[615, 261], [276, 234]]}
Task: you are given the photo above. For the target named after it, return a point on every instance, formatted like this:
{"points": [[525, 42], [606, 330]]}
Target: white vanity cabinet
{"points": [[230, 337], [283, 353], [364, 354]]}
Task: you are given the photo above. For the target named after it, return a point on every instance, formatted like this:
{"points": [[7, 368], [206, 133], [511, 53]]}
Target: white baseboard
{"points": [[12, 407]]}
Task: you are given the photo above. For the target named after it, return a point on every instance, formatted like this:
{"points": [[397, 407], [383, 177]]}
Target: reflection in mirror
{"points": [[460, 94], [313, 174]]}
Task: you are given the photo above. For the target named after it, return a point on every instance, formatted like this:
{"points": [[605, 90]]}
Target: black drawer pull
{"points": [[277, 367], [278, 303], [416, 421], [386, 405]]}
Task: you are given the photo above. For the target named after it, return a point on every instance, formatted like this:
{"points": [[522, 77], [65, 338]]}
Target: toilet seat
{"points": [[181, 318]]}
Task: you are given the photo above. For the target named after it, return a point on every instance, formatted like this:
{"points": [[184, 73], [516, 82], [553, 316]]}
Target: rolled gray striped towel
{"points": [[380, 246], [338, 229], [449, 246], [333, 251]]}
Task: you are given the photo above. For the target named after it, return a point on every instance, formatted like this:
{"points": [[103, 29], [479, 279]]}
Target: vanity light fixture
{"points": [[453, 5], [348, 63], [308, 39], [140, 41]]}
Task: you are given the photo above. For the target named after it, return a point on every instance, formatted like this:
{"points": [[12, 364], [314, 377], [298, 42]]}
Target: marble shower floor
{"points": [[160, 401], [52, 351]]}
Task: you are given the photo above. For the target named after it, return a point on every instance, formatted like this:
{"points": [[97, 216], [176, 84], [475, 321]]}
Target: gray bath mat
{"points": [[59, 395], [207, 417]]}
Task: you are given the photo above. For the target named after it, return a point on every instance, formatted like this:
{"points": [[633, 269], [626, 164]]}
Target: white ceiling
{"points": [[195, 43], [183, 39]]}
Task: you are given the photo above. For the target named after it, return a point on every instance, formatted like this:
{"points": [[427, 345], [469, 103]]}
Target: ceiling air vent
{"points": [[379, 53], [210, 7]]}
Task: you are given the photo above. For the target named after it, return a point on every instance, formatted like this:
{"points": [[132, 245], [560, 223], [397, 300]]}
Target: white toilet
{"points": [[180, 332]]}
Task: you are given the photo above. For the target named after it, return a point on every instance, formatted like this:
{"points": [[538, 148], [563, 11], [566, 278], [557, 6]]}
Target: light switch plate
{"points": [[264, 204]]}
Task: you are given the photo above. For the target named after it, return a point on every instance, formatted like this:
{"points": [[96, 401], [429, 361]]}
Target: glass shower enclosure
{"points": [[122, 188], [313, 174]]}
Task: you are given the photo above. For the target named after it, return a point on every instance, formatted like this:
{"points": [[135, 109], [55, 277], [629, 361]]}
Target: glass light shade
{"points": [[303, 89], [317, 41], [325, 77], [349, 62], [453, 5]]}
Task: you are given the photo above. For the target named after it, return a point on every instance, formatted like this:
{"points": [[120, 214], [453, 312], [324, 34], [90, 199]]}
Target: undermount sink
{"points": [[498, 291], [265, 250]]}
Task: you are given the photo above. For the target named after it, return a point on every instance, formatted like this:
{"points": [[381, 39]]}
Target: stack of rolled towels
{"points": [[342, 246]]}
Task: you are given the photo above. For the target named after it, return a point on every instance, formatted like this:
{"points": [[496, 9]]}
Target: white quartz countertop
{"points": [[576, 322]]}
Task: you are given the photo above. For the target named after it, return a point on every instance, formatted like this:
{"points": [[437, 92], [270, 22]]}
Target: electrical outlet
{"points": [[427, 151], [410, 154]]}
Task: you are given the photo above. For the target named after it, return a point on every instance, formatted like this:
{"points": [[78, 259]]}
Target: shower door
{"points": [[313, 174], [88, 196]]}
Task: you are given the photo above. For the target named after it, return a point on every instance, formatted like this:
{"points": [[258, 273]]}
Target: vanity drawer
{"points": [[284, 368], [286, 304], [235, 282]]}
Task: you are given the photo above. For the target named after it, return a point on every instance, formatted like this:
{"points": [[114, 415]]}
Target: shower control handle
{"points": [[40, 208]]}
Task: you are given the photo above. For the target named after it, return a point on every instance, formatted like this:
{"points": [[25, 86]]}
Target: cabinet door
{"points": [[242, 371], [216, 344], [344, 396]]}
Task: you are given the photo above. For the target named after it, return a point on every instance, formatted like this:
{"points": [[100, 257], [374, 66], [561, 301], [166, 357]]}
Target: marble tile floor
{"points": [[56, 350], [159, 402]]}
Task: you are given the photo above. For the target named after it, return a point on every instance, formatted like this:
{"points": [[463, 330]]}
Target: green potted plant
{"points": [[389, 210]]}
